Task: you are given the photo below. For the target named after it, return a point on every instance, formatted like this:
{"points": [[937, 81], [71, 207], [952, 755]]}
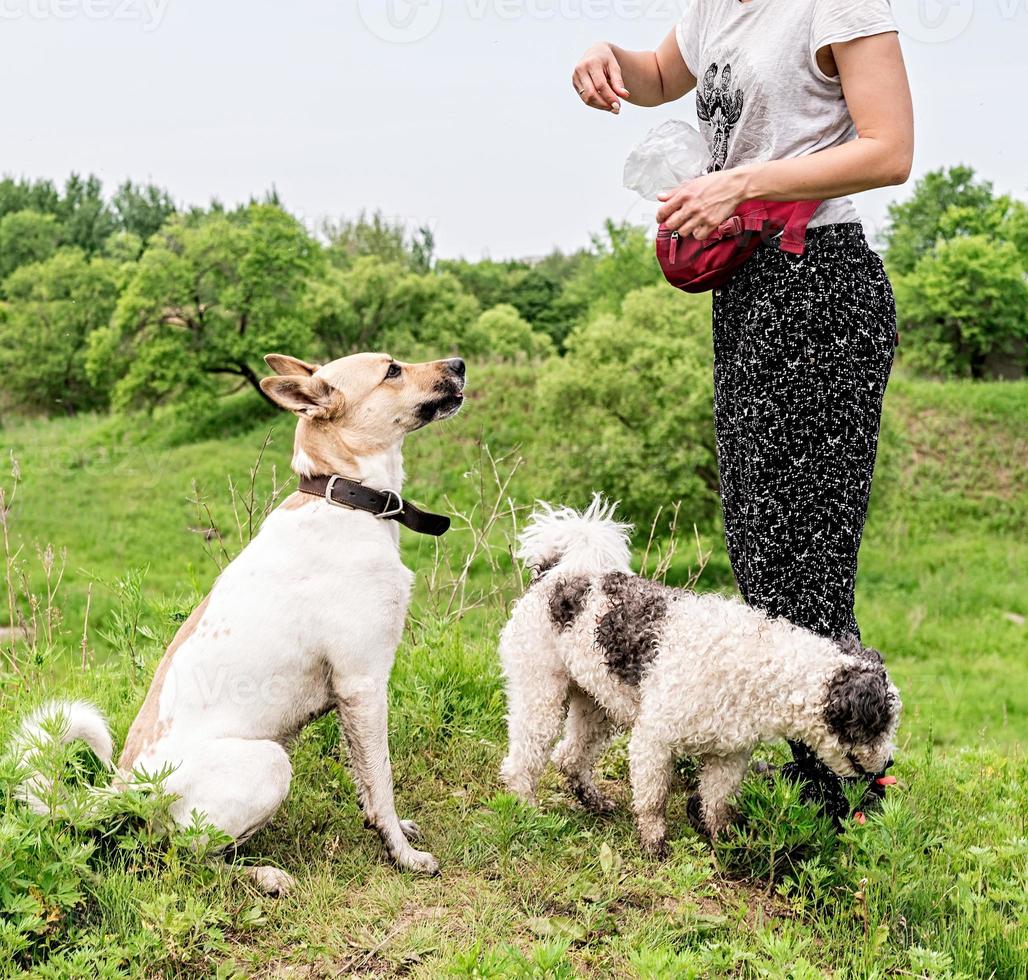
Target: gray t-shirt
{"points": [[760, 94]]}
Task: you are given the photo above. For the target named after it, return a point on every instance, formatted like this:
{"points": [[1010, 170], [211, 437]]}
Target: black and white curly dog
{"points": [[595, 647]]}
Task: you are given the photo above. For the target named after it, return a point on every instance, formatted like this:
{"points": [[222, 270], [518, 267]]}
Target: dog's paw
{"points": [[420, 862], [519, 786], [410, 830], [271, 881], [594, 801], [656, 848]]}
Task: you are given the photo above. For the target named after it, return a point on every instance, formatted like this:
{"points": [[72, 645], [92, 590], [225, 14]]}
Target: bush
{"points": [[52, 309], [963, 309], [501, 333], [624, 262], [26, 236], [633, 400]]}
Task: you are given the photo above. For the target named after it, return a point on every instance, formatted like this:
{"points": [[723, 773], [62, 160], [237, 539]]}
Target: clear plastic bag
{"points": [[669, 155]]}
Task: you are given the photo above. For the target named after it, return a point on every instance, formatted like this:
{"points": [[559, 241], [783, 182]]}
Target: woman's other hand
{"points": [[598, 81], [699, 206]]}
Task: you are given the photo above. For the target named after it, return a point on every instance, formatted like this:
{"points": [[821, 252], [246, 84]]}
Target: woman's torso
{"points": [[760, 94]]}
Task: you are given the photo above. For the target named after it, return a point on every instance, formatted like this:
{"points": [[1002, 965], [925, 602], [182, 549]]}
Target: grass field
{"points": [[934, 886]]}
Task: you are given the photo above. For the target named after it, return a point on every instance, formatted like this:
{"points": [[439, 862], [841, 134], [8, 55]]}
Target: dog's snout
{"points": [[457, 367]]}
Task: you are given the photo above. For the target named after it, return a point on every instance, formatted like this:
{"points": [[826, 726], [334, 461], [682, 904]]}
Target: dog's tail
{"points": [[587, 542], [58, 722]]}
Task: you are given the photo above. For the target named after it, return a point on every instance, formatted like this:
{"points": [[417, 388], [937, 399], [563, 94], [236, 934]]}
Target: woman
{"points": [[799, 100]]}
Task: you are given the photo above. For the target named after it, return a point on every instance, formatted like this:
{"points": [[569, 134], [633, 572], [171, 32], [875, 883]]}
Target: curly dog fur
{"points": [[594, 647]]}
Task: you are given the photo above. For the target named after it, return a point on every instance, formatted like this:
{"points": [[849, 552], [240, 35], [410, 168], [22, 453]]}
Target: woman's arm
{"points": [[606, 74], [875, 85]]}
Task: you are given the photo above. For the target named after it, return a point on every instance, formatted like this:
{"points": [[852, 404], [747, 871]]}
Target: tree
{"points": [[28, 195], [625, 261], [26, 236], [123, 246], [534, 292], [210, 296], [385, 305], [52, 309], [141, 209], [502, 334], [86, 220], [381, 238], [915, 225], [959, 257], [632, 403], [1014, 229], [964, 308]]}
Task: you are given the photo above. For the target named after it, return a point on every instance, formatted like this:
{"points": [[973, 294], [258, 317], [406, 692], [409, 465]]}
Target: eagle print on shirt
{"points": [[721, 108]]}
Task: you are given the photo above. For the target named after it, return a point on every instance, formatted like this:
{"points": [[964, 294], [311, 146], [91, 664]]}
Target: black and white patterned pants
{"points": [[803, 346]]}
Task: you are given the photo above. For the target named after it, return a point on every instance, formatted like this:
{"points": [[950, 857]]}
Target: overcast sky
{"points": [[454, 113]]}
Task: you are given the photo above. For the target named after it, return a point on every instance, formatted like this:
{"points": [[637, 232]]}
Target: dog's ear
{"points": [[290, 366], [859, 707], [850, 644], [310, 397]]}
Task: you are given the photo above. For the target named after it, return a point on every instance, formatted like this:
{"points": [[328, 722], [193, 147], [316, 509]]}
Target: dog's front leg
{"points": [[364, 716], [720, 779]]}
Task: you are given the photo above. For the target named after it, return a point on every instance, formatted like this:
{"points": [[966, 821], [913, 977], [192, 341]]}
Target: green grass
{"points": [[934, 886]]}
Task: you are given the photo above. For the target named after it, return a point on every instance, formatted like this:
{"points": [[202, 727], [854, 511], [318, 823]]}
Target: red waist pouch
{"points": [[699, 266]]}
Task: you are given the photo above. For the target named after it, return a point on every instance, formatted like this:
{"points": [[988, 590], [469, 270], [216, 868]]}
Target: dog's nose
{"points": [[457, 366]]}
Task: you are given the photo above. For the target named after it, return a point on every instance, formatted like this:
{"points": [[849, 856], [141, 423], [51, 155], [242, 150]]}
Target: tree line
{"points": [[130, 302]]}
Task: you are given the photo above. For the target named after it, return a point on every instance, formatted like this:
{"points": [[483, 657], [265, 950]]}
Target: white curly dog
{"points": [[595, 647], [305, 621]]}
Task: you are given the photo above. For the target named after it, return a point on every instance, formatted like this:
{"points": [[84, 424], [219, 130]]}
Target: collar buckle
{"points": [[328, 493], [393, 511]]}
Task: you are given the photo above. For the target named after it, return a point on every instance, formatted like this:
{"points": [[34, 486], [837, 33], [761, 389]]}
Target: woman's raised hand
{"points": [[597, 79]]}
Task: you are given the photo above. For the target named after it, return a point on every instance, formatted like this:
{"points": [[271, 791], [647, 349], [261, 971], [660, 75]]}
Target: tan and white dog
{"points": [[305, 620]]}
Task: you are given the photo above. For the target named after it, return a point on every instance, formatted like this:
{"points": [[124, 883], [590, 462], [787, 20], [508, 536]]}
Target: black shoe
{"points": [[822, 787], [818, 785]]}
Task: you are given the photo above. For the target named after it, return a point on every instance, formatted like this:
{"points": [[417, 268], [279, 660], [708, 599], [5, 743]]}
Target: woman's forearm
{"points": [[661, 75], [607, 74], [641, 72], [857, 166], [699, 206]]}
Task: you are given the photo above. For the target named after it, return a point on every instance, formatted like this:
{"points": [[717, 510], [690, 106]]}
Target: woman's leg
{"points": [[730, 324], [803, 350], [806, 349]]}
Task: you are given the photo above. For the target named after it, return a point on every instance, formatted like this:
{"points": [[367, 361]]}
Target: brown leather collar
{"points": [[387, 505]]}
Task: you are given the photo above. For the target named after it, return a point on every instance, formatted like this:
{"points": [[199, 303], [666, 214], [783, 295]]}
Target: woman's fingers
{"points": [[674, 203], [616, 81], [588, 94], [599, 79], [683, 213], [585, 89]]}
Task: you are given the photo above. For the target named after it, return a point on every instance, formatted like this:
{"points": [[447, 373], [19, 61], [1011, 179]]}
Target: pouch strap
{"points": [[738, 224], [794, 237]]}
